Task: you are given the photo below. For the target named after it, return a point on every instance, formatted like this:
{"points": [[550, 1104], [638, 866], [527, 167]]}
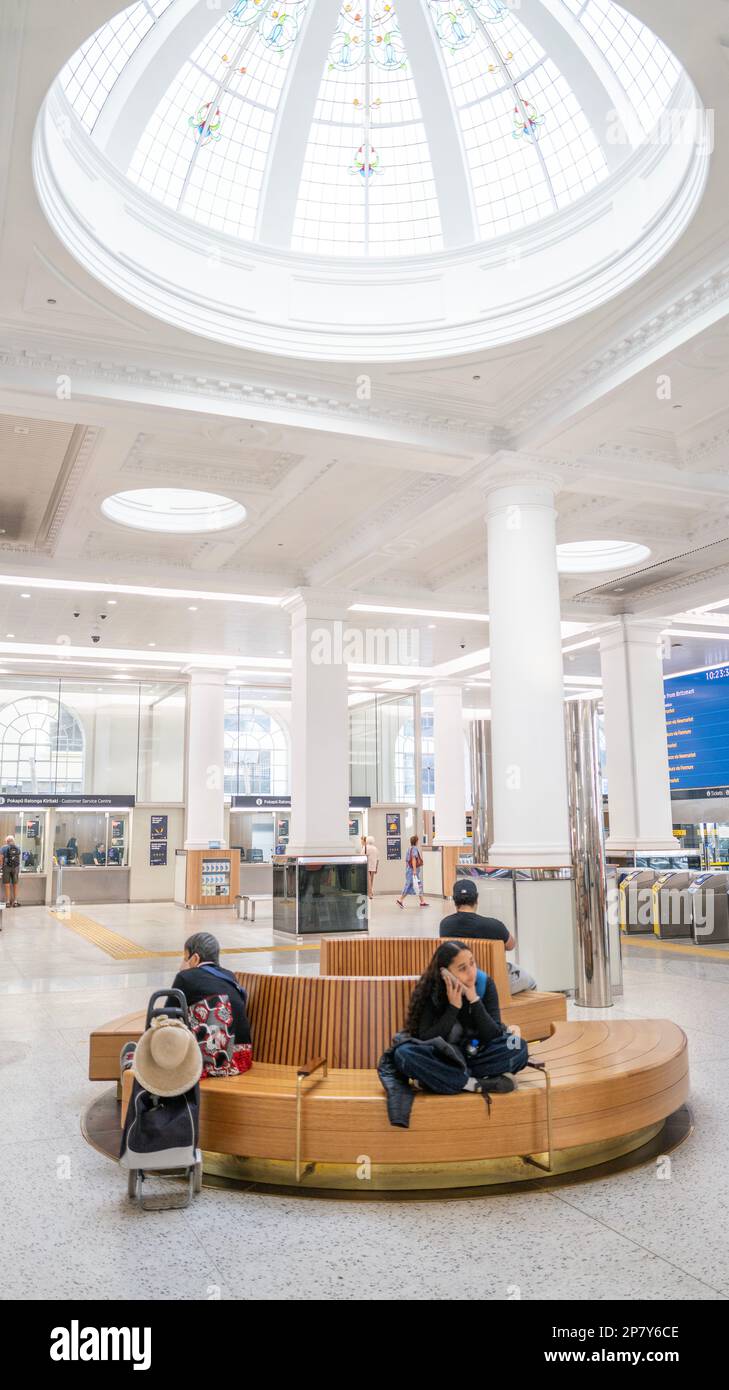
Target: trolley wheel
{"points": [[197, 1177], [134, 1183]]}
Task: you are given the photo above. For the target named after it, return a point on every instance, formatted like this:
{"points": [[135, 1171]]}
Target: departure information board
{"points": [[697, 724]]}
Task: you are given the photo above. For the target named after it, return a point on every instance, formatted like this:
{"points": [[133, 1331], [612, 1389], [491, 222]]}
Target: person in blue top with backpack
{"points": [[10, 870], [455, 1003]]}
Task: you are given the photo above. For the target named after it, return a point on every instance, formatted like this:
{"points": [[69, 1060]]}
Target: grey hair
{"points": [[204, 945]]}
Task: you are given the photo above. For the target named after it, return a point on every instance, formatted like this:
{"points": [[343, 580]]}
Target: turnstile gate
{"points": [[635, 900], [671, 913], [709, 908]]}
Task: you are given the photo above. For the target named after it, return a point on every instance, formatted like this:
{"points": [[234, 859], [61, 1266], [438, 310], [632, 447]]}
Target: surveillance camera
{"points": [[102, 616], [77, 612], [95, 637], [462, 645]]}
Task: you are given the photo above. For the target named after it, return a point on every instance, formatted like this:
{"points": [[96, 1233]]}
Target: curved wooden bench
{"points": [[611, 1083], [532, 1012]]}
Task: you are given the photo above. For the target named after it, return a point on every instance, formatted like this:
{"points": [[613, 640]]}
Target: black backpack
{"points": [[12, 856]]}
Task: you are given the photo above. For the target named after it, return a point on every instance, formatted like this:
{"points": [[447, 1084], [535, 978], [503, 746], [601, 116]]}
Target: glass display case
{"points": [[319, 895]]}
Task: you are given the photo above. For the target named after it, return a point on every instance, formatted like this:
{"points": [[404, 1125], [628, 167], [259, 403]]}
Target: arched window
{"points": [[405, 761], [41, 747], [256, 752]]}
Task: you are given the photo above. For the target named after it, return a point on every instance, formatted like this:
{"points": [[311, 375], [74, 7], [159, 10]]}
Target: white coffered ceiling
{"points": [[362, 481]]}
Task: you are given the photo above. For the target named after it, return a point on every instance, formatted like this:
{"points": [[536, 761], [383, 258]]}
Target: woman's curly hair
{"points": [[430, 986]]}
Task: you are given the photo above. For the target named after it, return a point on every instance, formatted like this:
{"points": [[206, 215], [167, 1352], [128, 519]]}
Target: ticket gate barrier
{"points": [[671, 913], [635, 900], [709, 894]]}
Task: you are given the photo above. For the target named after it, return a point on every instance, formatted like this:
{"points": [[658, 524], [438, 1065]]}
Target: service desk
{"points": [[31, 890], [91, 883]]}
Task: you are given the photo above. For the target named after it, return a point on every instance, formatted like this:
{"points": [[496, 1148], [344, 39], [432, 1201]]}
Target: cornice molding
{"points": [[679, 312]]}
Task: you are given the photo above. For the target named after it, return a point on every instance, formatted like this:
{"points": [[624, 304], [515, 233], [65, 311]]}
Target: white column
{"points": [[530, 815], [319, 732], [450, 781], [639, 790], [205, 747]]}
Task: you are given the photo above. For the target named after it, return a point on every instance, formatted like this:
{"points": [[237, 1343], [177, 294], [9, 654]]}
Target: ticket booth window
{"points": [[91, 839]]}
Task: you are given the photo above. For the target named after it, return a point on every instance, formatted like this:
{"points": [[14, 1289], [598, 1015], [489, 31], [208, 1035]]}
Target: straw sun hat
{"points": [[168, 1060]]}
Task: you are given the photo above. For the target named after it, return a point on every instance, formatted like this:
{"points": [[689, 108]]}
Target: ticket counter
{"points": [[91, 855]]}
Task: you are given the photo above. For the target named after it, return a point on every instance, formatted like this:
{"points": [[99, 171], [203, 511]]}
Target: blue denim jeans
{"points": [[418, 1062]]}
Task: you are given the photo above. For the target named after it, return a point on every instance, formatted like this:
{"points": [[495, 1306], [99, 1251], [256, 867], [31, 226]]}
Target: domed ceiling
{"points": [[408, 132]]}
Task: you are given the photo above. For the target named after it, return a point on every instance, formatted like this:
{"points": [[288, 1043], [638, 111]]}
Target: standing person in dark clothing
{"points": [[456, 1003], [201, 976], [10, 870]]}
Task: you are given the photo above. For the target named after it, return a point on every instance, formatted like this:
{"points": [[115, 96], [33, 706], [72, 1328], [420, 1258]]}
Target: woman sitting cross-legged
{"points": [[455, 1003]]}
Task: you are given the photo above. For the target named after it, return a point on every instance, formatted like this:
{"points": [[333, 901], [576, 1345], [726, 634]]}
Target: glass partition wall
{"points": [[119, 736], [383, 748]]}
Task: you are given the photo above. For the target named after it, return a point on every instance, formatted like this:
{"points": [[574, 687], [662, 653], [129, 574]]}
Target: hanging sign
{"points": [[78, 802]]}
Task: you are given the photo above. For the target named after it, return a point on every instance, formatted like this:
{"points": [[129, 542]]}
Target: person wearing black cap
{"points": [[467, 922], [201, 976]]}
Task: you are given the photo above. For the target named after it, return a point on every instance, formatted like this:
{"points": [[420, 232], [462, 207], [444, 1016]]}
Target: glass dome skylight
{"points": [[370, 128], [386, 180]]}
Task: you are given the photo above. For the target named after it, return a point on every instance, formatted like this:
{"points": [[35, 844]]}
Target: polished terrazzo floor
{"points": [[656, 1232]]}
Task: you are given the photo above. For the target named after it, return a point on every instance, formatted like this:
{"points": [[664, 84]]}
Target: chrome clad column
{"points": [[592, 944], [480, 751]]}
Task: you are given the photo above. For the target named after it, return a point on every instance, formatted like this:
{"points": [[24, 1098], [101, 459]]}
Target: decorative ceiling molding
{"points": [[251, 475], [211, 387], [73, 468], [678, 313]]}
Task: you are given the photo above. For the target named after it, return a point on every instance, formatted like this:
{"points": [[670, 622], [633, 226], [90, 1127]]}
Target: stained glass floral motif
{"points": [[246, 12], [366, 162], [279, 26], [349, 45], [527, 121], [206, 122], [457, 24]]}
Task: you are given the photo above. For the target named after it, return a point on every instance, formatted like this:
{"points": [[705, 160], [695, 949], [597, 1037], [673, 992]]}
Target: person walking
{"points": [[413, 873], [373, 860]]}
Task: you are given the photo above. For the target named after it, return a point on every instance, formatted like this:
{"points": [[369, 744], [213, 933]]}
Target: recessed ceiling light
{"points": [[591, 557], [418, 612], [174, 510], [25, 595], [10, 634], [151, 644], [192, 608], [110, 601]]}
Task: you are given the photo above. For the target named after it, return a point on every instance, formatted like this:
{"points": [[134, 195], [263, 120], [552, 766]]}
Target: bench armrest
{"points": [[313, 1064]]}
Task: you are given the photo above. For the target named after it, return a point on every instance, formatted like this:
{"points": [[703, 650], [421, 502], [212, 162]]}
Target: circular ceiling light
{"points": [[592, 557], [178, 511]]}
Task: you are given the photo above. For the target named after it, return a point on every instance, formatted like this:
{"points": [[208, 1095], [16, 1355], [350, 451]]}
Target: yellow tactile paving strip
{"points": [[679, 948], [121, 948]]}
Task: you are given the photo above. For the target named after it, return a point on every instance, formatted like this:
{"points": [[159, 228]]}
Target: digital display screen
{"points": [[697, 726]]}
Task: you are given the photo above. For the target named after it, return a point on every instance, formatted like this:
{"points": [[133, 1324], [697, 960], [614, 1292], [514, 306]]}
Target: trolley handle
{"points": [[177, 1009]]}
